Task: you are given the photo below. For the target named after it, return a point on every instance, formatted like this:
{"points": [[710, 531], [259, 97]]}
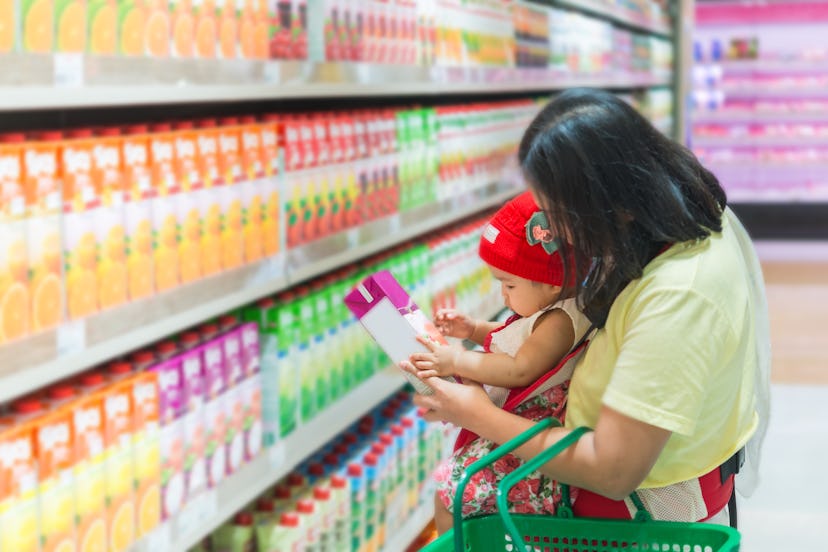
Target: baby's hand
{"points": [[454, 324], [440, 361]]}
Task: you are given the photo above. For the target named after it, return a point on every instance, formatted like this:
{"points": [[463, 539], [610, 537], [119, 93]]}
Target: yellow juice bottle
{"points": [[90, 474], [118, 462], [188, 201], [207, 155], [80, 206], [166, 224], [14, 256], [146, 452], [18, 488], [43, 229], [102, 27], [139, 194], [107, 173]]}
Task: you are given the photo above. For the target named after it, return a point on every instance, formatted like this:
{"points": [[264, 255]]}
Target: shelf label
{"points": [[71, 337], [272, 72], [269, 269], [68, 69], [352, 237], [277, 455]]}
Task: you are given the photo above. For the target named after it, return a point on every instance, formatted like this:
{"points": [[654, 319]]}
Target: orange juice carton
{"points": [[118, 459], [8, 26], [70, 26], [261, 29], [14, 256], [212, 365], [252, 189], [37, 20], [251, 391], [182, 27], [189, 202], [110, 220], [90, 471], [131, 28], [171, 410], [247, 12], [43, 229], [146, 451], [230, 167], [228, 33], [166, 222], [195, 462], [18, 487], [208, 160], [138, 220], [80, 208], [156, 38], [102, 26], [270, 186], [206, 28], [233, 400], [54, 443]]}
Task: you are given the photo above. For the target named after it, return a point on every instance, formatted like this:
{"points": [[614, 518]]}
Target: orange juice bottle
{"points": [[14, 257], [189, 201], [228, 33], [118, 459], [37, 25], [138, 211], [270, 188], [102, 26], [206, 28], [146, 451], [164, 208], [208, 156], [252, 186], [157, 28], [18, 487], [230, 168], [70, 26], [90, 474], [182, 27], [80, 204], [131, 27], [54, 445], [43, 228], [107, 172]]}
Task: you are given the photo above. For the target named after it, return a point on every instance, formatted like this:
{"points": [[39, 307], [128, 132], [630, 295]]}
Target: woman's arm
{"points": [[612, 460]]}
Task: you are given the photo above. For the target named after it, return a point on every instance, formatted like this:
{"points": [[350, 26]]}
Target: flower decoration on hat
{"points": [[538, 232]]}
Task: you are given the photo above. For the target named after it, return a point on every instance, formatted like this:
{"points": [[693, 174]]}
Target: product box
{"points": [[54, 443], [90, 471], [171, 410], [189, 202], [393, 319], [215, 420], [208, 159], [146, 451], [166, 222], [18, 488], [230, 167], [14, 257], [138, 194], [195, 466], [233, 400], [118, 461]]}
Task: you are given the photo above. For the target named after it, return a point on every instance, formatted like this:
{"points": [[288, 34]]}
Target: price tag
{"points": [[272, 72], [352, 236], [394, 224], [68, 69], [71, 337], [277, 455], [268, 269]]}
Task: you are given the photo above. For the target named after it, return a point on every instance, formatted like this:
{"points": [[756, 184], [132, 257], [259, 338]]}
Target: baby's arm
{"points": [[551, 339]]}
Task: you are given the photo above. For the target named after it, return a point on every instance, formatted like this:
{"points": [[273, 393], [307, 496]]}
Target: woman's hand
{"points": [[454, 324], [461, 404], [441, 361]]}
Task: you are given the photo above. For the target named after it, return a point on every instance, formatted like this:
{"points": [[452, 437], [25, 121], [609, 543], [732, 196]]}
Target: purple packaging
{"points": [[195, 466], [233, 400], [250, 348], [171, 439], [170, 390], [233, 364], [215, 419], [212, 356]]}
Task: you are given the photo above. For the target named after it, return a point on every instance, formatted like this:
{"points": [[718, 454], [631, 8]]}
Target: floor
{"points": [[789, 510]]}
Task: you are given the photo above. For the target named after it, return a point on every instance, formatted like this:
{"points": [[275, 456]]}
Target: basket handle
{"points": [[487, 460]]}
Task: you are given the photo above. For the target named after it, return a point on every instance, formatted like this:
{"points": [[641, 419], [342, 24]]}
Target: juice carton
{"points": [[37, 25], [107, 173], [54, 444], [131, 26], [156, 38], [14, 257], [170, 411], [252, 189], [146, 447], [206, 28], [139, 194], [90, 474], [81, 200], [189, 202], [230, 167], [228, 29], [208, 159], [18, 488], [166, 223], [261, 29], [233, 400], [262, 318], [252, 390], [182, 27], [102, 25], [270, 188], [215, 420], [118, 459], [195, 466], [8, 26], [70, 25], [43, 229], [280, 31], [246, 12]]}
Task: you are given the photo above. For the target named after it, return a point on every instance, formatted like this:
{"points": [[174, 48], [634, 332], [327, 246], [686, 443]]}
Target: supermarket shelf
{"points": [[35, 362], [202, 516], [414, 525], [34, 82], [626, 17]]}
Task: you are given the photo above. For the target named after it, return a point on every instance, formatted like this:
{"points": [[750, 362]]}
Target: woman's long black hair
{"points": [[616, 188]]}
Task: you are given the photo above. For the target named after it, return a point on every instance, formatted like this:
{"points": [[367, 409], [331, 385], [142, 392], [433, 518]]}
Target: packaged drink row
{"points": [[353, 494]]}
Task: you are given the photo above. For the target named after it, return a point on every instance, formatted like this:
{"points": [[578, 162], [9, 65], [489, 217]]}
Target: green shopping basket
{"points": [[563, 532]]}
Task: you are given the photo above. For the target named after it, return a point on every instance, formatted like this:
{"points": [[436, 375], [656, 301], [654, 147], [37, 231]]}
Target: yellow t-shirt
{"points": [[678, 352]]}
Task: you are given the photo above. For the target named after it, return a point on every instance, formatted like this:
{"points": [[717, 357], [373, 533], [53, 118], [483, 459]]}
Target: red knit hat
{"points": [[518, 240]]}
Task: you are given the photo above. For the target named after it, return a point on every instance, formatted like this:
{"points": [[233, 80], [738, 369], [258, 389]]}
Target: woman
{"points": [[675, 379]]}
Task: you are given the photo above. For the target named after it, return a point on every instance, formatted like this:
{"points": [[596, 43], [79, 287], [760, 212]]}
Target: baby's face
{"points": [[523, 296]]}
